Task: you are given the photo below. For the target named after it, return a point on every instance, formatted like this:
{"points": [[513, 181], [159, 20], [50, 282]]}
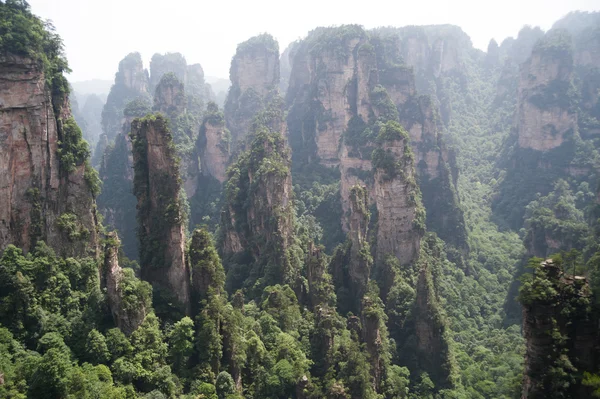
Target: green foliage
{"points": [[73, 150], [68, 224]]}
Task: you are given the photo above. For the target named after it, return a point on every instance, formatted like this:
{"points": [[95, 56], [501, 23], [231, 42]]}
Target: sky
{"points": [[98, 33]]}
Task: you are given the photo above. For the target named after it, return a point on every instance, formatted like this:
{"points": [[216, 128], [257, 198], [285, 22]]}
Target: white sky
{"points": [[99, 33]]}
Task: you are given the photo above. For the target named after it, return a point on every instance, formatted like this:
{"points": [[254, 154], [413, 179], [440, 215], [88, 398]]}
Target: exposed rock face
{"points": [[561, 331], [401, 217], [131, 82], [321, 87], [169, 97], [214, 144], [208, 276], [254, 75], [116, 202], [161, 64], [161, 218], [544, 116], [258, 214], [127, 317], [39, 198], [432, 346], [344, 83], [359, 269]]}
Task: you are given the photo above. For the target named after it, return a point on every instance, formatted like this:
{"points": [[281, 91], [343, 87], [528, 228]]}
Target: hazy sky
{"points": [[99, 33]]}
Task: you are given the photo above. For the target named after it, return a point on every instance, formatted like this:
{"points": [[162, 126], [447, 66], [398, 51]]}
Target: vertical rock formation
{"points": [[254, 76], [47, 187], [214, 143], [258, 215], [161, 64], [359, 269], [161, 213], [208, 276], [169, 96], [433, 352], [131, 82], [544, 116], [344, 85], [561, 333], [117, 203], [129, 299], [555, 121], [401, 217]]}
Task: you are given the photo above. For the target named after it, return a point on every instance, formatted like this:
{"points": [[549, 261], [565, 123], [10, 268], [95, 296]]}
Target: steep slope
{"points": [[161, 215], [254, 76], [48, 188]]}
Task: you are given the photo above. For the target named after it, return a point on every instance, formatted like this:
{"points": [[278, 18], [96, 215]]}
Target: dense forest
{"points": [[368, 214]]}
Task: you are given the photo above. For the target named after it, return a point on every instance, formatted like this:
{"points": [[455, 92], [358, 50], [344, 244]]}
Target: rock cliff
{"points": [[161, 214], [169, 96], [47, 189], [560, 330], [544, 115], [344, 84], [254, 76], [128, 298], [214, 143], [401, 217], [131, 82], [117, 203], [258, 214]]}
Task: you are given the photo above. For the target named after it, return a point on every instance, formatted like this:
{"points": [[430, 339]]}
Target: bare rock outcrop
{"points": [[401, 217], [560, 330], [254, 76], [160, 209], [46, 188], [129, 299], [169, 97], [214, 143], [544, 114]]}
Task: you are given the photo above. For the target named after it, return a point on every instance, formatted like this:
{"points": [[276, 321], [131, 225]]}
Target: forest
{"points": [[385, 213]]}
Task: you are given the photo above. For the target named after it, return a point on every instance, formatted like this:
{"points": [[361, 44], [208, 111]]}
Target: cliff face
{"points": [[432, 344], [43, 195], [128, 298], [401, 217], [254, 75], [161, 215], [214, 144], [258, 215], [169, 96], [543, 112], [359, 269], [161, 64], [131, 82], [116, 202], [343, 86], [561, 333]]}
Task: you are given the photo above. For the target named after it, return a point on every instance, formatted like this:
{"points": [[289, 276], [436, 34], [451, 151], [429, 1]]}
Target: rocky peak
{"points": [[161, 64], [131, 82], [544, 114], [169, 97], [258, 214], [132, 74], [255, 65], [128, 305], [562, 337], [208, 276], [161, 213], [48, 188], [214, 143], [360, 254], [401, 217], [254, 75]]}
